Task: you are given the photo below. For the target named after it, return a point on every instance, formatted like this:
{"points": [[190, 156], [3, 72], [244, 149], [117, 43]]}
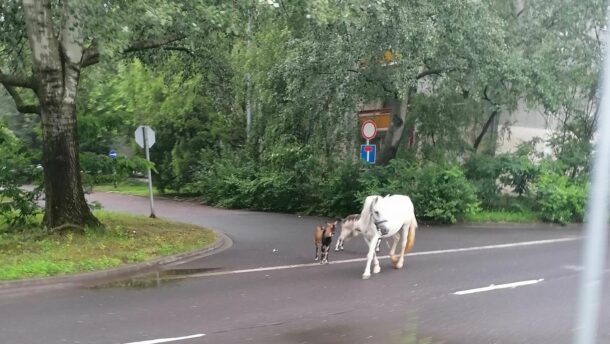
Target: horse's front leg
{"points": [[317, 252], [370, 257]]}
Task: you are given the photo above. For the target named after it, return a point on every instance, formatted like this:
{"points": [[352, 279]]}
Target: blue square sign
{"points": [[368, 153]]}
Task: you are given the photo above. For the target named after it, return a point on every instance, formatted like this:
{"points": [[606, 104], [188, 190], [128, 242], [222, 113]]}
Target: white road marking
{"points": [[425, 253], [165, 340], [499, 286]]}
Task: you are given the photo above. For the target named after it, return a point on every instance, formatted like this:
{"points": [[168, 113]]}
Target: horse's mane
{"points": [[366, 214]]}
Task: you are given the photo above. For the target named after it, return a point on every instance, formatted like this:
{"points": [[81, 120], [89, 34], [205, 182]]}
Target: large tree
{"points": [[46, 44]]}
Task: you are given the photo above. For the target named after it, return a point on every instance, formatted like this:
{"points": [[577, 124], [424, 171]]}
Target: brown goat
{"points": [[323, 236]]}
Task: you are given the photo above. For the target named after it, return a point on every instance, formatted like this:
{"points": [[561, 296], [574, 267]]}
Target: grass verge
{"points": [[126, 239], [502, 216], [132, 187]]}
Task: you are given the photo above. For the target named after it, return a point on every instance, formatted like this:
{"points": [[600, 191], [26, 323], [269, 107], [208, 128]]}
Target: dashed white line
{"points": [[166, 340], [424, 253], [499, 286]]}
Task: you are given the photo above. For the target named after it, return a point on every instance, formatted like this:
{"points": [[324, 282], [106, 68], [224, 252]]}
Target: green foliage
{"points": [[280, 180], [559, 199], [17, 206], [440, 193], [503, 173], [338, 186], [101, 169]]}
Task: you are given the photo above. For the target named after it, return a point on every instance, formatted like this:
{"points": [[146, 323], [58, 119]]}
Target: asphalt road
{"points": [[264, 289]]}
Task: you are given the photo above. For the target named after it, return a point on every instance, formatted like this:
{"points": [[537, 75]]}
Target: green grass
{"points": [[502, 216], [126, 239], [132, 187]]}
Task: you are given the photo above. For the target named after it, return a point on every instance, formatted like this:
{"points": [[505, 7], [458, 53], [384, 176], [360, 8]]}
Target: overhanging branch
{"points": [[12, 80], [437, 71], [91, 55], [19, 103]]}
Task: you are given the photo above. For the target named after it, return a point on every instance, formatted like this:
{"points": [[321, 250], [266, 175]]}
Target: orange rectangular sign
{"points": [[381, 117]]}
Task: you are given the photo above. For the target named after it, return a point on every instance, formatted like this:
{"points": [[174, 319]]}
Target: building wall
{"points": [[523, 125]]}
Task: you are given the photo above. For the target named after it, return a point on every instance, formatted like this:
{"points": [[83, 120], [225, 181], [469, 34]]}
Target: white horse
{"points": [[384, 217]]}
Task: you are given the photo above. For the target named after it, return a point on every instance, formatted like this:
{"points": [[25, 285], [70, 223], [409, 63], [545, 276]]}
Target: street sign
{"points": [[145, 137], [368, 153], [150, 136], [368, 130], [112, 154]]}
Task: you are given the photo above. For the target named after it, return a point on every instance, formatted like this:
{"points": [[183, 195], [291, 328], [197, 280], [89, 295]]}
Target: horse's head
{"points": [[385, 216]]}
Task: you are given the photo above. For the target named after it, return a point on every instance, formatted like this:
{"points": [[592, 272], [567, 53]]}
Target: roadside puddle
{"points": [[152, 280]]}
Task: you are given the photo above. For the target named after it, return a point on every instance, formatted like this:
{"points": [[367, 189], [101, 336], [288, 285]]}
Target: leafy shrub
{"points": [[101, 169], [490, 174], [439, 193], [281, 180], [339, 190], [559, 199], [483, 171], [17, 206]]}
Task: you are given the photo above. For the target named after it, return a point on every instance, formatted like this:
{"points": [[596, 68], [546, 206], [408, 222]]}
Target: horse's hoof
{"points": [[336, 250], [376, 269], [316, 259], [365, 276], [398, 266]]}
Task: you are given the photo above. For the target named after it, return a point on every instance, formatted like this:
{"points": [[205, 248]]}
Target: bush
{"points": [[101, 169], [440, 193], [17, 206], [559, 199], [284, 179], [339, 190], [483, 171], [490, 174]]}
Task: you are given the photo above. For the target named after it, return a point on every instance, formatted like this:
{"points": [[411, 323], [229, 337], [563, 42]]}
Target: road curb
{"points": [[221, 243]]}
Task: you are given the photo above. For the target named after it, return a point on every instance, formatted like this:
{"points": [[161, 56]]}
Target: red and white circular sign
{"points": [[368, 130]]}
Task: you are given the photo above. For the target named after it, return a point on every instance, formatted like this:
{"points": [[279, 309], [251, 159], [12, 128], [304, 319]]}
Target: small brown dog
{"points": [[323, 236]]}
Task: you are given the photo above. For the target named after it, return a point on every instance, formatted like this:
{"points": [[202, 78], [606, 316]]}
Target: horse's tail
{"points": [[411, 235]]}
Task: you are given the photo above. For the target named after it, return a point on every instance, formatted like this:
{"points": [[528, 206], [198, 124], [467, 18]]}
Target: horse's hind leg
{"points": [[342, 237], [403, 246], [393, 258], [317, 257]]}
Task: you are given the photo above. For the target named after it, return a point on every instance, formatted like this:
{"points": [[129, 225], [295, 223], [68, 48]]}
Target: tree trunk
{"points": [[65, 204], [56, 67], [485, 129], [394, 135]]}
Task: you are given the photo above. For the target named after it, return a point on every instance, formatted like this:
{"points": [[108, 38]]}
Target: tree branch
{"points": [[21, 106], [16, 80], [92, 55], [182, 49], [437, 71], [479, 138]]}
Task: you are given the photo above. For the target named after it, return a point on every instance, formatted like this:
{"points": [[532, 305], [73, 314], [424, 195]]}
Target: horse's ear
{"points": [[375, 199]]}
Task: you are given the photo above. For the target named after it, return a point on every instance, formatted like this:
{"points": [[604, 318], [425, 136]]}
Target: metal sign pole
{"points": [[368, 152], [150, 188], [594, 245]]}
